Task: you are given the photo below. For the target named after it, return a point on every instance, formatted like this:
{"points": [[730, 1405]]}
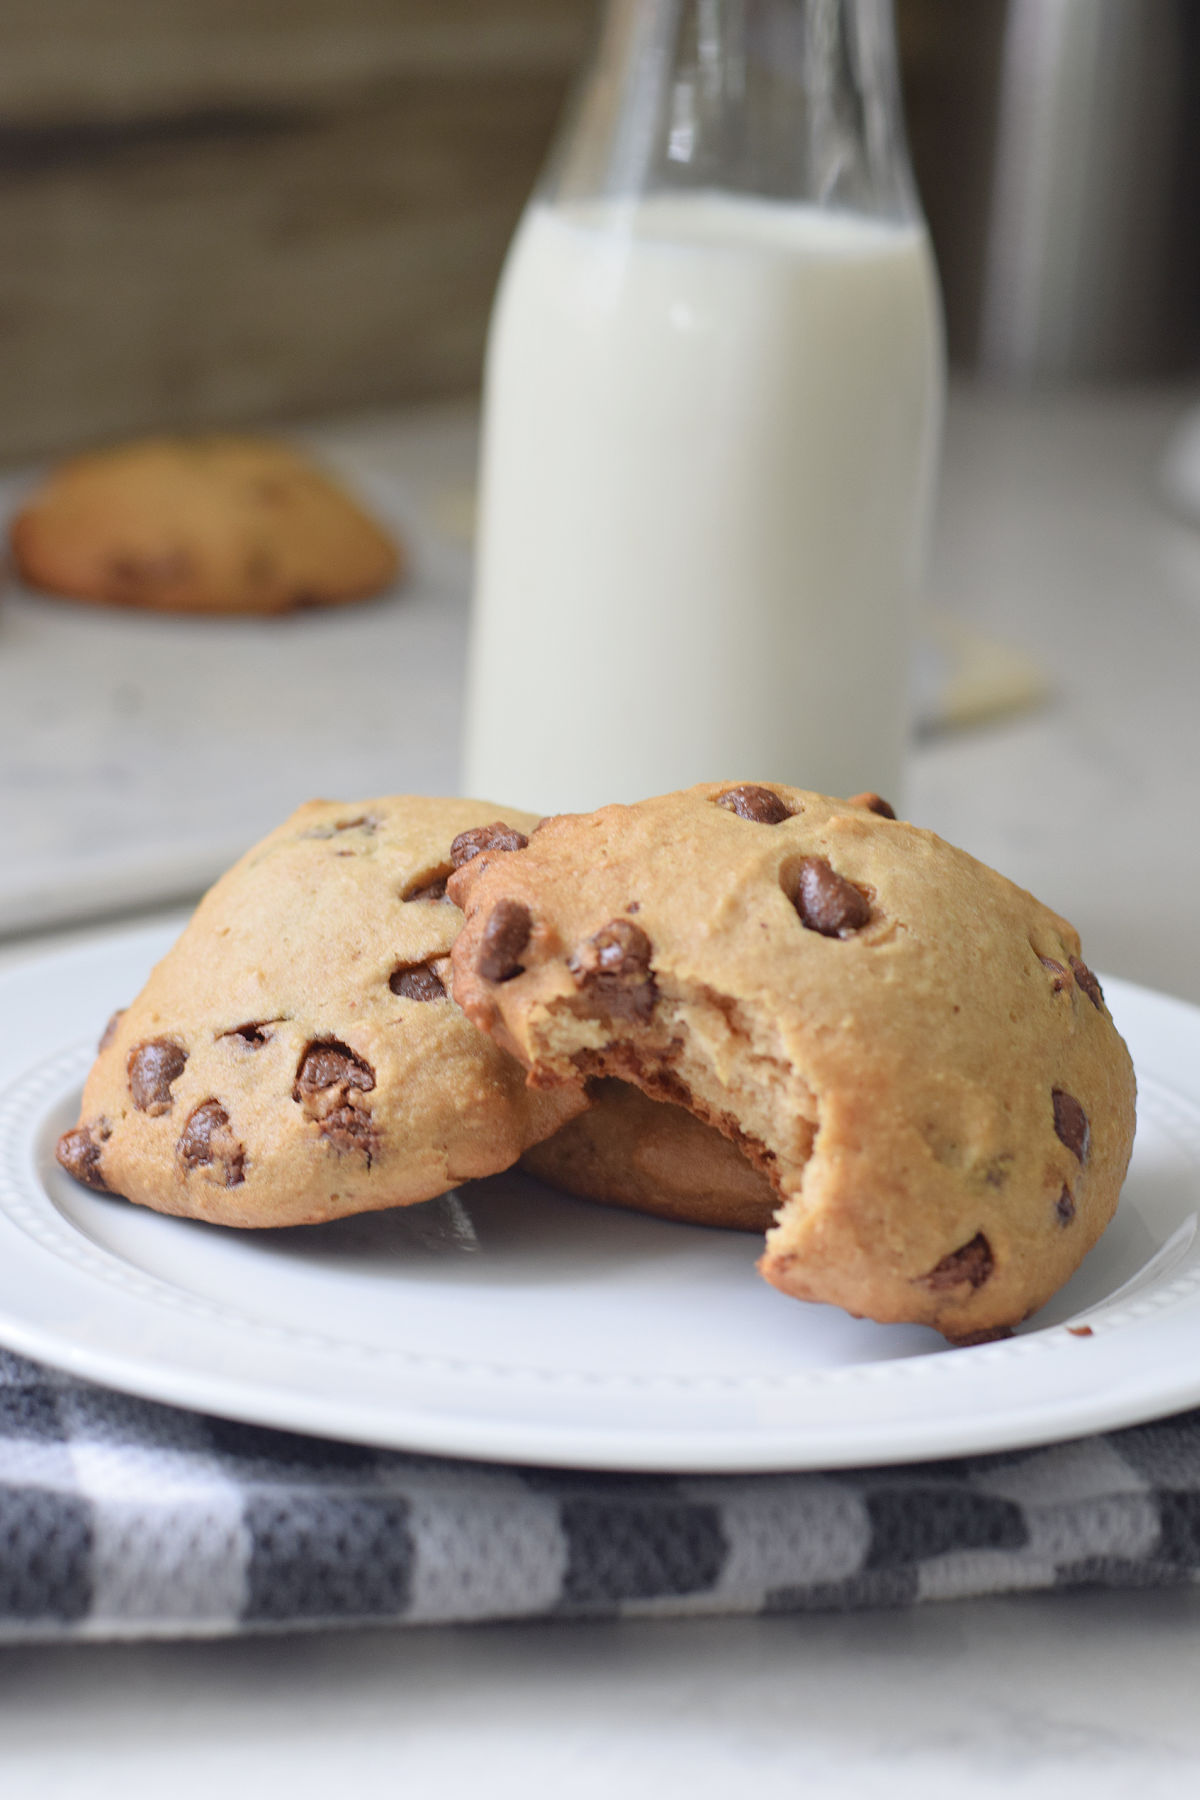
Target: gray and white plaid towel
{"points": [[121, 1518]]}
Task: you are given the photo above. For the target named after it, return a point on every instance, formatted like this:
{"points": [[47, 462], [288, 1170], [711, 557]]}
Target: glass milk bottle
{"points": [[712, 408]]}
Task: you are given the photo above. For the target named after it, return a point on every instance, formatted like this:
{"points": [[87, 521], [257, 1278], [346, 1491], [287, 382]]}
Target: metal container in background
{"points": [[1057, 148]]}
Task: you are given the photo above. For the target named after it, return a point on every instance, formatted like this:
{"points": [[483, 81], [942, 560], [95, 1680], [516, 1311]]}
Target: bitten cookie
{"points": [[908, 1046], [296, 1056], [212, 524], [628, 1150]]}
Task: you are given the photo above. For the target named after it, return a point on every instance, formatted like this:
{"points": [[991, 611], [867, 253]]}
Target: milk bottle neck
{"points": [[784, 99]]}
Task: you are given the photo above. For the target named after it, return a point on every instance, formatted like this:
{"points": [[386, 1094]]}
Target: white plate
{"points": [[510, 1323]]}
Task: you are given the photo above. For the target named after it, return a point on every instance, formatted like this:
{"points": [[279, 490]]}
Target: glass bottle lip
{"points": [[785, 99]]}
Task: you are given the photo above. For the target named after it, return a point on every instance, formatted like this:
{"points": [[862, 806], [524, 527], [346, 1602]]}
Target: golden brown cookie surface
{"points": [[629, 1150], [218, 524], [907, 1045], [295, 1057]]}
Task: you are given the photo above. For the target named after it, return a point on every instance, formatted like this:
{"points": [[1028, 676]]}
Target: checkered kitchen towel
{"points": [[119, 1518]]}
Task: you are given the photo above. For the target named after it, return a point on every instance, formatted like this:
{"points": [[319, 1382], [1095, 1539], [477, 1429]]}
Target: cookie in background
{"points": [[212, 523]]}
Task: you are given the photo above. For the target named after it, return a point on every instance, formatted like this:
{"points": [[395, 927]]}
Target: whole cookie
{"points": [[908, 1046], [629, 1150], [296, 1056], [217, 524]]}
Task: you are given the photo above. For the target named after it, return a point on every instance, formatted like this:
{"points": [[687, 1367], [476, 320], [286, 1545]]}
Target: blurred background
{"points": [[218, 211], [224, 211], [293, 212]]}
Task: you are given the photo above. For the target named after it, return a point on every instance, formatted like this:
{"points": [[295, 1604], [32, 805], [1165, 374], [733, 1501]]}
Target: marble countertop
{"points": [[127, 739], [140, 754], [1087, 1696]]}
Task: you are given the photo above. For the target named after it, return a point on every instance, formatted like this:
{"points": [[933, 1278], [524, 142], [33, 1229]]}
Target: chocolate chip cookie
{"points": [[209, 524], [296, 1055], [628, 1150], [910, 1048]]}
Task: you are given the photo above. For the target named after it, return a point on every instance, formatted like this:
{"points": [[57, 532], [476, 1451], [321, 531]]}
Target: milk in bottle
{"points": [[711, 424]]}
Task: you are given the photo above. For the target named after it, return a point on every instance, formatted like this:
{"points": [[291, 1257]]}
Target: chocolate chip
{"points": [[126, 568], [133, 570], [614, 969], [331, 1065], [758, 804], [874, 803], [79, 1155], [971, 1263], [1071, 1124], [206, 1141], [416, 981], [153, 1066], [1088, 982], [433, 888], [110, 1030], [330, 1074], [349, 1128], [260, 565], [504, 937], [1064, 1207], [1061, 975], [364, 822], [497, 836], [255, 1035], [827, 902]]}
